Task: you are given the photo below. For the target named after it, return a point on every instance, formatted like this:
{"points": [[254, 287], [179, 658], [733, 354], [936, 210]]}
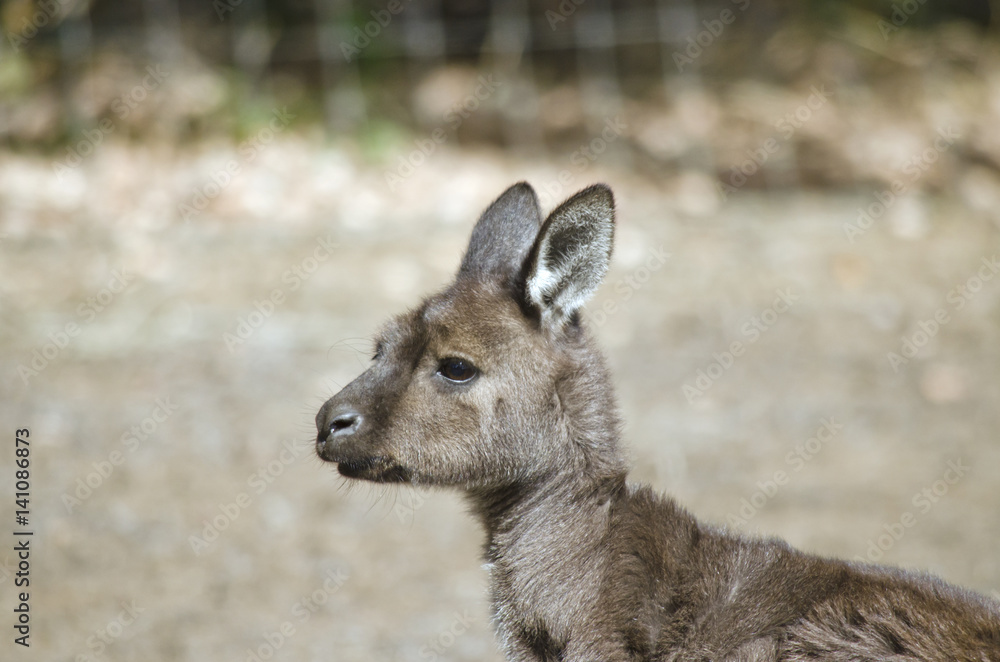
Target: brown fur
{"points": [[584, 566]]}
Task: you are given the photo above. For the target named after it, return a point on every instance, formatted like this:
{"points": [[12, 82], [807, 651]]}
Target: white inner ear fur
{"points": [[560, 284], [543, 281]]}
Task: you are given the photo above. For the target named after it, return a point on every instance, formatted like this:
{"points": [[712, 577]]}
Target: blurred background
{"points": [[206, 208]]}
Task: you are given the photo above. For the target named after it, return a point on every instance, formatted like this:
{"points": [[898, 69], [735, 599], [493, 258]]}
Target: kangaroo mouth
{"points": [[375, 469]]}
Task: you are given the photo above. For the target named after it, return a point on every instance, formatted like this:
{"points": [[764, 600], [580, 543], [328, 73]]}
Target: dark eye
{"points": [[457, 370], [378, 352]]}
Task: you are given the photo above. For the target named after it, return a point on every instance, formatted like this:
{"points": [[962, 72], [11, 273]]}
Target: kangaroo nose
{"points": [[342, 425]]}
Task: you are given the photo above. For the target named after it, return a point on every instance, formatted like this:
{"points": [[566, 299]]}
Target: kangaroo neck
{"points": [[567, 505]]}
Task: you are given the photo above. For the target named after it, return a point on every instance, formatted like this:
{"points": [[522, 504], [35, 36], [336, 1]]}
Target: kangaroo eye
{"points": [[457, 370]]}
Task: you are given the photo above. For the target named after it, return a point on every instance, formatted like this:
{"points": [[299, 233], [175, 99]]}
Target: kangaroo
{"points": [[494, 386]]}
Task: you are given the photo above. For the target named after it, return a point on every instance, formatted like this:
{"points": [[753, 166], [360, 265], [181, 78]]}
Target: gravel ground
{"points": [[179, 512]]}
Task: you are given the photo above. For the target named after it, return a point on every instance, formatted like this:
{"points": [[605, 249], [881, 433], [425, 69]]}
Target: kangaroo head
{"points": [[492, 381]]}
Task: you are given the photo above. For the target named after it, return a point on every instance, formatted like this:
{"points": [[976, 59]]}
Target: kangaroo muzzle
{"points": [[334, 426], [339, 440]]}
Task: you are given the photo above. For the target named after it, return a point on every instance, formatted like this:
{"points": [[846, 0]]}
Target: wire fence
{"points": [[531, 76]]}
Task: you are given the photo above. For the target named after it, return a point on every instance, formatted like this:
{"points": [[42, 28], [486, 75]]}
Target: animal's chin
{"points": [[375, 469]]}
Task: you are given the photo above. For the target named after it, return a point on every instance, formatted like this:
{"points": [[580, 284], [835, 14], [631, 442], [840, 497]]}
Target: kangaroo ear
{"points": [[571, 255], [504, 235]]}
